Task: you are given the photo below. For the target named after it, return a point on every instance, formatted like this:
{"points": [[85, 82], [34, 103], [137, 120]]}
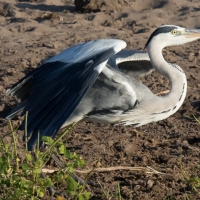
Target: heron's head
{"points": [[171, 35]]}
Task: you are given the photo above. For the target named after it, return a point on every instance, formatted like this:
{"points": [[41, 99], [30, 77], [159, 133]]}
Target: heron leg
{"points": [[75, 177]]}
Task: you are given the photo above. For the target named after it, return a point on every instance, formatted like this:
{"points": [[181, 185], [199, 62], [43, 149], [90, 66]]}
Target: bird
{"points": [[97, 81]]}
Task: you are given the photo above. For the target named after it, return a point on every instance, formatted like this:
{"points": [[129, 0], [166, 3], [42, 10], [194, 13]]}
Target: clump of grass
{"points": [[108, 195], [192, 180], [197, 120], [20, 176]]}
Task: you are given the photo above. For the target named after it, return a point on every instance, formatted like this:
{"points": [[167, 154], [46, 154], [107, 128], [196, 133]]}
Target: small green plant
{"points": [[20, 170], [197, 120], [108, 195], [192, 180]]}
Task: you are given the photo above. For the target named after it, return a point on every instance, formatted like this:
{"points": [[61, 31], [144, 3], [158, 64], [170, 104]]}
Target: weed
{"points": [[192, 181], [21, 178], [108, 195]]}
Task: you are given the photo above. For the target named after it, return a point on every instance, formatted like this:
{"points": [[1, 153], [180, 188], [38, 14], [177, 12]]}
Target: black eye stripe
{"points": [[165, 29]]}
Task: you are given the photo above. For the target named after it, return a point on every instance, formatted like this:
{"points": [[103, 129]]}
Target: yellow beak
{"points": [[192, 33]]}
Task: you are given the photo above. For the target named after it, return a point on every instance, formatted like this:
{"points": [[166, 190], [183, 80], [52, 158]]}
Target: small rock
{"points": [[130, 148], [98, 164], [137, 187], [55, 45], [156, 188], [123, 130], [185, 142], [191, 57], [150, 184], [51, 46], [110, 143]]}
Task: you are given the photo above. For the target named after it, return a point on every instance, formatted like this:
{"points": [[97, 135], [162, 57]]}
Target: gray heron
{"points": [[84, 82]]}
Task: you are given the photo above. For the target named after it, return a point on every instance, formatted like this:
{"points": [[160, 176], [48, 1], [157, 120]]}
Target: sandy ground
{"points": [[28, 35]]}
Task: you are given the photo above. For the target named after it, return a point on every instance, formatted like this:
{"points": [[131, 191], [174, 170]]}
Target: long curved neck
{"points": [[178, 83]]}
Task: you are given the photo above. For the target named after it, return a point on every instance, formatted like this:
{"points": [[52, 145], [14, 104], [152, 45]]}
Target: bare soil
{"points": [[34, 30], [100, 5]]}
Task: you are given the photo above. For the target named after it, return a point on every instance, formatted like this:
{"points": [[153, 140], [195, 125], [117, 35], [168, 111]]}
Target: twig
{"points": [[153, 171], [147, 169], [163, 92], [49, 171]]}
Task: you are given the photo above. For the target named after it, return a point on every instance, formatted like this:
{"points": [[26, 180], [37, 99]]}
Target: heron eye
{"points": [[174, 32]]}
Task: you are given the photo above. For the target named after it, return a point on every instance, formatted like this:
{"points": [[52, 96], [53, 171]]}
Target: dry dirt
{"points": [[33, 30]]}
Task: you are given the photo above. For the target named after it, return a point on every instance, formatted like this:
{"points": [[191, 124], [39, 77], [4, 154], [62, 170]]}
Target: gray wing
{"points": [[132, 62], [52, 91], [110, 97]]}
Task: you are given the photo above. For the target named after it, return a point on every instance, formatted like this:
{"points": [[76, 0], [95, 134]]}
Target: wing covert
{"points": [[60, 83], [132, 62]]}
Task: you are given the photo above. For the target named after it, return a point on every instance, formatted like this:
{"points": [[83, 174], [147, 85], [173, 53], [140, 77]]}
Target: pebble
{"points": [[130, 148], [150, 184], [191, 57], [137, 187], [156, 188]]}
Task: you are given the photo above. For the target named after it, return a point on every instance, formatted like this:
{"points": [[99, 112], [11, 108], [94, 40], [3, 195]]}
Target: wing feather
{"points": [[60, 83], [132, 62]]}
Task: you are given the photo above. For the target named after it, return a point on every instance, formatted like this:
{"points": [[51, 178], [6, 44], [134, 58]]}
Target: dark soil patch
{"points": [[100, 5]]}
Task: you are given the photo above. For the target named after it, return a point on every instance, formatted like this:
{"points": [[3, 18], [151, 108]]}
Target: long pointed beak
{"points": [[192, 33]]}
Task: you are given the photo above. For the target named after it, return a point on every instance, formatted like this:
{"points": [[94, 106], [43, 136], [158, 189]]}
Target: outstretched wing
{"points": [[132, 62], [52, 91]]}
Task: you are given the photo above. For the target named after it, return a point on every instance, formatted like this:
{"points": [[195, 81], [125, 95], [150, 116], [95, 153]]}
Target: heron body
{"points": [[96, 81]]}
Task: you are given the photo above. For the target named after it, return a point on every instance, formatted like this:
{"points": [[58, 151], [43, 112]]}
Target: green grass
{"points": [[107, 195], [20, 170], [192, 179]]}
